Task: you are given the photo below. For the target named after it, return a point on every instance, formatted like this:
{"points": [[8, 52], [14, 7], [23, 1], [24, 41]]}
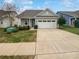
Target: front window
{"points": [[40, 21], [53, 20], [49, 20]]}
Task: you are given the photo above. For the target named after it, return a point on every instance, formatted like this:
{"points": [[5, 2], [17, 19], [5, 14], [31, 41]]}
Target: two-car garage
{"points": [[47, 23], [46, 19]]}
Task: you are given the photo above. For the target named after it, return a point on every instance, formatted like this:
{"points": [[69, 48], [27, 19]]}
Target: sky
{"points": [[54, 5]]}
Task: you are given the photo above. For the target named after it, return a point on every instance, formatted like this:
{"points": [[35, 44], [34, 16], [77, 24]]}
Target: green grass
{"points": [[17, 57], [20, 36], [71, 29]]}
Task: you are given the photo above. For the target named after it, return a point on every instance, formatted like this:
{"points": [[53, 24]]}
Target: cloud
{"points": [[28, 2], [24, 8], [48, 4], [8, 1], [67, 3], [20, 2], [70, 4], [25, 2]]}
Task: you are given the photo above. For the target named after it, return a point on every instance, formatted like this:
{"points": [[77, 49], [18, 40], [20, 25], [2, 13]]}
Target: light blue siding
{"points": [[67, 18]]}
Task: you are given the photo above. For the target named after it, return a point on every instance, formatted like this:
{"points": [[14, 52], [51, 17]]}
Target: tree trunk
{"points": [[10, 19]]}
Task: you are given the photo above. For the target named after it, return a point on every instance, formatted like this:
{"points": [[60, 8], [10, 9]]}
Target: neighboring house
{"points": [[69, 16], [5, 20], [41, 18]]}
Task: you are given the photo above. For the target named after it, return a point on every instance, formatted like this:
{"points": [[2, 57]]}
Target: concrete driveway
{"points": [[56, 44]]}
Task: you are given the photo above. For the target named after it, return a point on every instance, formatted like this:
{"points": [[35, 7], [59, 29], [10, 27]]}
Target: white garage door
{"points": [[47, 24]]}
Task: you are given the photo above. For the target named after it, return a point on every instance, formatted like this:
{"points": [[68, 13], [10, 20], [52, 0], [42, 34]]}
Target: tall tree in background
{"points": [[10, 9]]}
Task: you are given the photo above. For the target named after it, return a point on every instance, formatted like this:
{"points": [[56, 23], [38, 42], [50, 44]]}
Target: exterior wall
{"points": [[30, 22], [5, 23], [26, 20], [17, 21], [23, 22], [45, 13]]}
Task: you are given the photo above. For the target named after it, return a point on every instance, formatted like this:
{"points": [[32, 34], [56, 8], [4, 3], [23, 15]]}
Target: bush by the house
{"points": [[76, 23], [61, 21], [27, 27], [11, 29], [16, 26], [36, 27], [24, 27]]}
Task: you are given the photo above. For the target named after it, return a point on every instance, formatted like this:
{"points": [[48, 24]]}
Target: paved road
{"points": [[56, 44]]}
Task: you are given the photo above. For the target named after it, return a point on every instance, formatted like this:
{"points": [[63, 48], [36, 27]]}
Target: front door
{"points": [[33, 22]]}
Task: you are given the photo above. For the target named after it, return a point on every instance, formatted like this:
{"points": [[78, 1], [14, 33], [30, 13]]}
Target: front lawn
{"points": [[71, 29], [20, 36]]}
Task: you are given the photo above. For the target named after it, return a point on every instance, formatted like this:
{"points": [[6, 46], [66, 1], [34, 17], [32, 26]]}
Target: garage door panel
{"points": [[47, 24]]}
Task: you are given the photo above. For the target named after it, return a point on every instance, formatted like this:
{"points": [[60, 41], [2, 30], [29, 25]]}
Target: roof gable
{"points": [[46, 12]]}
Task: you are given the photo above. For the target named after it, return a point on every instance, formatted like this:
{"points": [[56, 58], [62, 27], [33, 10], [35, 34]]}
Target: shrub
{"points": [[28, 27], [76, 23], [15, 26], [20, 27], [5, 29], [36, 27], [11, 29], [24, 27]]}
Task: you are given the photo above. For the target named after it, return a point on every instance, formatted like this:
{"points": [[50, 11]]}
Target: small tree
{"points": [[76, 23], [61, 21]]}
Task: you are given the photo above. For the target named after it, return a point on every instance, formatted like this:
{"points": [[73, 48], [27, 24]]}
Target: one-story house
{"points": [[42, 18], [70, 16]]}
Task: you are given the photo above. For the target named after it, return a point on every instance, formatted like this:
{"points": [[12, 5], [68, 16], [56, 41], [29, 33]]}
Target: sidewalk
{"points": [[9, 49]]}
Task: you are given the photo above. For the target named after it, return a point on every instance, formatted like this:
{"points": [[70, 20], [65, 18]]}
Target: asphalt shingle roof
{"points": [[2, 12], [70, 13], [32, 13], [29, 13]]}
